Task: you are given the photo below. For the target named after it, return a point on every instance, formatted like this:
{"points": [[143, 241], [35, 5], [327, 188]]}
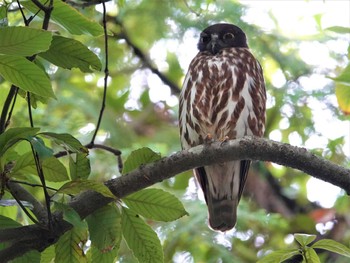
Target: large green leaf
{"points": [[53, 169], [70, 215], [69, 18], [339, 29], [108, 256], [25, 75], [14, 135], [69, 248], [23, 41], [141, 239], [65, 140], [139, 157], [333, 246], [279, 256], [77, 186], [47, 256], [79, 166], [155, 204], [40, 148], [105, 229], [69, 53]]}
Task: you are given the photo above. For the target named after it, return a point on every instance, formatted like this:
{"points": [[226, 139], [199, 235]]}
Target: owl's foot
{"points": [[208, 139], [224, 140]]}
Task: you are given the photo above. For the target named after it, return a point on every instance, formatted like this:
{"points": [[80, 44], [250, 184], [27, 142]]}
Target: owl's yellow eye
{"points": [[228, 36]]}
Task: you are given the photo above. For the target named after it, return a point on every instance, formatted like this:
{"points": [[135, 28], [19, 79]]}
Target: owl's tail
{"points": [[222, 185]]}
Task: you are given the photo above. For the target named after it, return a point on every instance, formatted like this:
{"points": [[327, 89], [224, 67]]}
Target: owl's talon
{"points": [[224, 140], [208, 139]]}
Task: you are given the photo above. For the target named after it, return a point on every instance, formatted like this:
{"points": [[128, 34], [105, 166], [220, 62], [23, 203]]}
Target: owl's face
{"points": [[219, 36]]}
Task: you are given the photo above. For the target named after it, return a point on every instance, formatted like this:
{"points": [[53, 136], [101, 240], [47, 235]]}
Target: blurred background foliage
{"points": [[150, 37]]}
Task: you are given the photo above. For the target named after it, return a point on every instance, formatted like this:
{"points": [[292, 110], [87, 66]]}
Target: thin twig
{"points": [[191, 9], [31, 122], [12, 108], [106, 71], [32, 185], [43, 182], [26, 22], [22, 206], [5, 109], [85, 4], [138, 52]]}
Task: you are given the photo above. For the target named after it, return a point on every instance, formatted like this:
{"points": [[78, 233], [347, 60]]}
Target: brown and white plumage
{"points": [[223, 97]]}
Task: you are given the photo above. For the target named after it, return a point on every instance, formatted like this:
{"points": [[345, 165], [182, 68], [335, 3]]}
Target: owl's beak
{"points": [[214, 45]]}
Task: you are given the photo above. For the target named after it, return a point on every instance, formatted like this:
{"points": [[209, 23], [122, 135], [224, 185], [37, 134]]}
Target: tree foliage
{"points": [[88, 92]]}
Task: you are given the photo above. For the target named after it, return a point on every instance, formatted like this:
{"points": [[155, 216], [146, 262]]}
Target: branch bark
{"points": [[34, 237]]}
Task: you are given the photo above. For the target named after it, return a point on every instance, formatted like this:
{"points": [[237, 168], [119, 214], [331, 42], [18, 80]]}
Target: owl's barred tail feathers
{"points": [[222, 185], [222, 214]]}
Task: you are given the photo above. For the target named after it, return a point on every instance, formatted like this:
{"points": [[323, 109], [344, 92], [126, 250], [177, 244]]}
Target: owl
{"points": [[223, 97]]}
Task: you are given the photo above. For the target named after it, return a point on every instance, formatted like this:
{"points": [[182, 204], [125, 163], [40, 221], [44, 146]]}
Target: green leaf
{"points": [[48, 255], [105, 228], [344, 76], [141, 239], [53, 169], [155, 204], [311, 256], [40, 148], [304, 239], [339, 29], [25, 75], [6, 222], [79, 166], [77, 186], [68, 17], [279, 256], [69, 248], [342, 92], [65, 140], [24, 41], [139, 157], [333, 246], [70, 215], [108, 256], [29, 257], [69, 53], [14, 135]]}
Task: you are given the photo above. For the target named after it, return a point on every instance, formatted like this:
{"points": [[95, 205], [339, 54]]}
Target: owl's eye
{"points": [[204, 38], [228, 36]]}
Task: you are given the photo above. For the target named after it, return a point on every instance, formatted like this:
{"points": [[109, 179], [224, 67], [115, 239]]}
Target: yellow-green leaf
{"points": [[77, 186], [69, 53], [141, 238], [155, 204], [24, 41], [68, 17], [25, 75]]}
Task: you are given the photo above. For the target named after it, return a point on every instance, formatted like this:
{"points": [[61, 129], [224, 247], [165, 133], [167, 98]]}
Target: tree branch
{"points": [[246, 148]]}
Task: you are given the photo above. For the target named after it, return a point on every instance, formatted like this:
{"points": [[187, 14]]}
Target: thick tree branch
{"points": [[147, 175]]}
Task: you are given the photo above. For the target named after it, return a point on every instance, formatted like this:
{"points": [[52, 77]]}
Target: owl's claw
{"points": [[224, 140], [208, 139]]}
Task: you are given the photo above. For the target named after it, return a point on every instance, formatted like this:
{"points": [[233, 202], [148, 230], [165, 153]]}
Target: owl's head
{"points": [[219, 36]]}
